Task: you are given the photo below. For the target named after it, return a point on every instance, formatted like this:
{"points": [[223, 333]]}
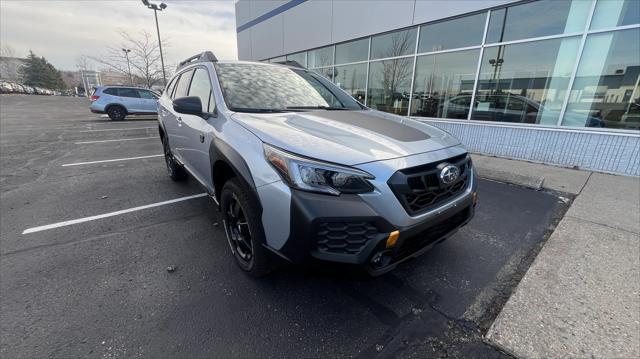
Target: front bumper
{"points": [[345, 229]]}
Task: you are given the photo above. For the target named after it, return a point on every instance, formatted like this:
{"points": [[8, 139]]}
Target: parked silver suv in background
{"points": [[302, 171], [120, 101]]}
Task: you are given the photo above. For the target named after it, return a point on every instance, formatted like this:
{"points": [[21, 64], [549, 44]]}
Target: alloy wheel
{"points": [[237, 228]]}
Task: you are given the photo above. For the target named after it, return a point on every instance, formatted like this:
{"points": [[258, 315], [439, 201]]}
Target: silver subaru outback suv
{"points": [[302, 171]]}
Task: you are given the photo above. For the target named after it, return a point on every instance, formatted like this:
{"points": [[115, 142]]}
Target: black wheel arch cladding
{"points": [[222, 151]]}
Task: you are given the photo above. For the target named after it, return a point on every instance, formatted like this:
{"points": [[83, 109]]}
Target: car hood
{"points": [[346, 137]]}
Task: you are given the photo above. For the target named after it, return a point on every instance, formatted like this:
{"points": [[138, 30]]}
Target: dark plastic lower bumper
{"points": [[345, 229]]}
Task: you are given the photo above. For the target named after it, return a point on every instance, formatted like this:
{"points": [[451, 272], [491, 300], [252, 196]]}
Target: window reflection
{"points": [[300, 58], [525, 82], [353, 51], [613, 13], [443, 84], [326, 72], [352, 79], [538, 18], [451, 34], [394, 44], [320, 57], [606, 91], [389, 85]]}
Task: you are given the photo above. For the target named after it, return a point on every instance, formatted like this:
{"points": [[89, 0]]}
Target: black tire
{"points": [[243, 228], [176, 172], [117, 113]]}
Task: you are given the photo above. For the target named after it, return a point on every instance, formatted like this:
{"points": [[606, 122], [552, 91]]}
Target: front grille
{"points": [[344, 237], [419, 188]]}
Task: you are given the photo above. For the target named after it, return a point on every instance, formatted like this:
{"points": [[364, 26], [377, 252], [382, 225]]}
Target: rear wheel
{"points": [[117, 113], [243, 227], [176, 172]]}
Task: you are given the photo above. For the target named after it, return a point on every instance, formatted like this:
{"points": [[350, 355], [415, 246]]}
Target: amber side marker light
{"points": [[475, 198], [393, 238]]}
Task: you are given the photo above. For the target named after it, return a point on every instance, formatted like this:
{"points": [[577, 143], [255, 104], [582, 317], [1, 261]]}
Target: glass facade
{"points": [[537, 19], [443, 84], [320, 57], [352, 51], [452, 34], [352, 79], [394, 44], [571, 63], [300, 58], [525, 82], [390, 85], [605, 92]]}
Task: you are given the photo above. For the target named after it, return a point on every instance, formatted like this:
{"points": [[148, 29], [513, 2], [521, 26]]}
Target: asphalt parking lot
{"points": [[100, 288]]}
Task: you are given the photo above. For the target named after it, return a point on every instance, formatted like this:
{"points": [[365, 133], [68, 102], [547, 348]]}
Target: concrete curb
{"points": [[511, 178]]}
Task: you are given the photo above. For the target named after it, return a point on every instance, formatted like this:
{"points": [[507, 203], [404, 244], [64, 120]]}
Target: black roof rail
{"points": [[206, 56], [289, 63]]}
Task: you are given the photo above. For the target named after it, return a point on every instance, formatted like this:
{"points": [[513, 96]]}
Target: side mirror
{"points": [[190, 105]]}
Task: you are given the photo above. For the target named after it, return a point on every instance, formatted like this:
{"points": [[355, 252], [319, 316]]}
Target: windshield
{"points": [[269, 88]]}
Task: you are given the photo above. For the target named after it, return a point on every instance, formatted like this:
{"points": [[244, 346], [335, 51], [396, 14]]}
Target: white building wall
{"points": [[316, 23], [308, 25]]}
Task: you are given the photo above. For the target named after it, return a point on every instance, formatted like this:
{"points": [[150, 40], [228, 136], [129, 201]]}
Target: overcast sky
{"points": [[63, 30]]}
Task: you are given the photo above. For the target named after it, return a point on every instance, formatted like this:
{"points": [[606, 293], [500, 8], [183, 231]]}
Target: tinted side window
{"points": [[125, 92], [183, 85], [111, 91], [201, 87], [147, 94], [171, 86]]}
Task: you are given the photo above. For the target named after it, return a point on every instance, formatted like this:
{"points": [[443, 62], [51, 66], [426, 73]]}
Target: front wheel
{"points": [[243, 227], [176, 172]]}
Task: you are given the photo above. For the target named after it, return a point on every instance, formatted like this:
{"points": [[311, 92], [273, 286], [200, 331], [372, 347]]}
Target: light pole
{"points": [[126, 54], [155, 9]]}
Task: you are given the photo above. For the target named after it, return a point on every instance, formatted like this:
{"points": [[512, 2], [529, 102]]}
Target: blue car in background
{"points": [[119, 101]]}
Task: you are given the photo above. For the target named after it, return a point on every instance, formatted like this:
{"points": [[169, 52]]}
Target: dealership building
{"points": [[551, 81]]}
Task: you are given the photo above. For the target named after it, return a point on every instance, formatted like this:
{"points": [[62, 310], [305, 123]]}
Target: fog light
{"points": [[393, 238], [474, 197]]}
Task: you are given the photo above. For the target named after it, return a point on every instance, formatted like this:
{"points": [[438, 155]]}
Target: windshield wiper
{"points": [[256, 110], [316, 108]]}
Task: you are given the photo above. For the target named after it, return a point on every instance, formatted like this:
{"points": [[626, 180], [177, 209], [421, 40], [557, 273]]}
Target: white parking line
{"points": [[120, 139], [113, 160], [110, 214], [118, 129]]}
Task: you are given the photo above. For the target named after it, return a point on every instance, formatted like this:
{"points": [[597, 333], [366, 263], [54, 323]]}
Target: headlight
{"points": [[310, 175]]}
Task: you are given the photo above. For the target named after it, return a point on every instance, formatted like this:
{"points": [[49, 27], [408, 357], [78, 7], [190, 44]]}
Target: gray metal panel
{"points": [[243, 12], [431, 10], [614, 153], [352, 19], [244, 45], [307, 25], [266, 38], [262, 7]]}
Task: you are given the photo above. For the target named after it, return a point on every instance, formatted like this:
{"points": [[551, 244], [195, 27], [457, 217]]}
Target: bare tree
{"points": [[396, 73], [144, 58]]}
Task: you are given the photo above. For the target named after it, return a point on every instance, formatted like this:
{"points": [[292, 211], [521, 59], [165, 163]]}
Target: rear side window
{"points": [[147, 94], [111, 91], [201, 87], [125, 92], [183, 85]]}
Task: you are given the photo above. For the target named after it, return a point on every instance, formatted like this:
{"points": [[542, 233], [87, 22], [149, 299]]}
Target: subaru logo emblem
{"points": [[449, 174]]}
